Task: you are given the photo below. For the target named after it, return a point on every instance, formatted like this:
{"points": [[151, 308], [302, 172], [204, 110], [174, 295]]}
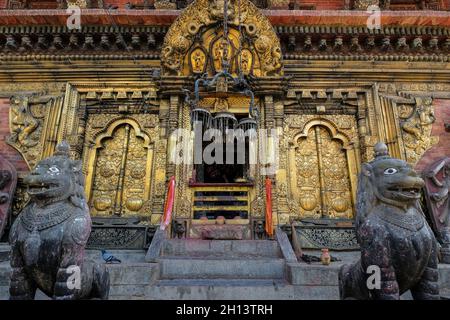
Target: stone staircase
{"points": [[221, 269]]}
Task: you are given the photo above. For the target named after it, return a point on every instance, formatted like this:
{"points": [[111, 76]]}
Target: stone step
{"points": [[179, 268], [316, 274], [126, 256], [133, 273], [226, 248], [237, 289], [313, 274]]}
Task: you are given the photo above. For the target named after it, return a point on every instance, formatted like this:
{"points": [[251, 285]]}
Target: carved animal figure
{"points": [[395, 239], [49, 236]]}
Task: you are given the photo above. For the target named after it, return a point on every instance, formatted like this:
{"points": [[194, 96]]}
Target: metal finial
{"points": [[62, 149], [380, 150]]}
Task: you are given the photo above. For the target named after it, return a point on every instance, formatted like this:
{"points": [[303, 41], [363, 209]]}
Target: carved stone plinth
{"points": [[221, 232]]}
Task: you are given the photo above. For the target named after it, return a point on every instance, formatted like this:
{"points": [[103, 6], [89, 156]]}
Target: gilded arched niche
{"points": [[195, 43], [323, 179], [119, 171]]}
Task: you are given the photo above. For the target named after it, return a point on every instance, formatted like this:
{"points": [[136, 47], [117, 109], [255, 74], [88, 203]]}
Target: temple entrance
{"points": [[226, 161], [222, 179]]}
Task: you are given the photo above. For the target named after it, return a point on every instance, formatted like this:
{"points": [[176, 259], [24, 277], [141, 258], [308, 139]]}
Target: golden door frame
{"points": [[347, 145], [108, 132]]}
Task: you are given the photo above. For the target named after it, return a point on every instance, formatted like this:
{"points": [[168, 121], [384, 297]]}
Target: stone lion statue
{"points": [[49, 236], [398, 248]]}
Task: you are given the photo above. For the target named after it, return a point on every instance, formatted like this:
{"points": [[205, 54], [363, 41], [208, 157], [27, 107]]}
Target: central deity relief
{"points": [[196, 42]]}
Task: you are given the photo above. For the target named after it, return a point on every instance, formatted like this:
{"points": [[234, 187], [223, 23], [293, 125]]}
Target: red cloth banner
{"points": [[168, 206], [269, 227]]}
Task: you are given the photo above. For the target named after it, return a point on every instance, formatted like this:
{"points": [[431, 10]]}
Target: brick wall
{"points": [[7, 151], [442, 112]]}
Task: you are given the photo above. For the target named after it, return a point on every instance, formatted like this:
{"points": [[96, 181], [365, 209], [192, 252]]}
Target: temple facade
{"points": [[319, 83]]}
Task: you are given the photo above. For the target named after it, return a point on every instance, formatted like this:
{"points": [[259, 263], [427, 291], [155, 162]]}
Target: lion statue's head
{"points": [[386, 180], [57, 178]]}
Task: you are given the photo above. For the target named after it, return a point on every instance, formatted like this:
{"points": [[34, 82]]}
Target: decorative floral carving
{"points": [[337, 239], [116, 237]]}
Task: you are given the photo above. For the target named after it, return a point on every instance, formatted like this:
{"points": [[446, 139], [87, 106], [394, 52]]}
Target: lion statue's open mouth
{"points": [[407, 193], [37, 189]]}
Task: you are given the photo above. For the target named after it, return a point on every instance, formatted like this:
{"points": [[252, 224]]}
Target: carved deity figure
{"points": [[396, 241], [423, 117], [221, 53], [246, 61], [198, 59], [49, 236], [23, 124], [437, 185]]}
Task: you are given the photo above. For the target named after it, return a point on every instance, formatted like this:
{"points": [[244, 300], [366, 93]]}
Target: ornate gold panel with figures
{"points": [[324, 171], [196, 43], [119, 171]]}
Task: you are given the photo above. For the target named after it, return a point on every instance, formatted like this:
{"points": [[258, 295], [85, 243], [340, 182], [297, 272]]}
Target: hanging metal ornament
{"points": [[202, 116], [247, 128], [247, 124], [224, 121]]}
